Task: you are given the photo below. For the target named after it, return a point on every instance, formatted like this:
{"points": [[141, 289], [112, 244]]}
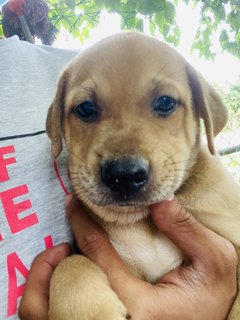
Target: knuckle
{"points": [[232, 252], [92, 243], [39, 258], [225, 260], [37, 261], [229, 255], [184, 220]]}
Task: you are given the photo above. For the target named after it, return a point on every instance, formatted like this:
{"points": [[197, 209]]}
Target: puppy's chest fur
{"points": [[145, 250]]}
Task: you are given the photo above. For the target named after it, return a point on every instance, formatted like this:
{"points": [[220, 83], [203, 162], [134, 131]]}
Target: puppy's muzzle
{"points": [[125, 176]]}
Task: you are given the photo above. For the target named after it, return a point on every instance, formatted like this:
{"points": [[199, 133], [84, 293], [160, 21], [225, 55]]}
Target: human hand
{"points": [[203, 288], [34, 303]]}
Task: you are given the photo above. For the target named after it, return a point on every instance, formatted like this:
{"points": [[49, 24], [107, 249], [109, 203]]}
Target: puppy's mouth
{"points": [[122, 211], [142, 199], [122, 190], [119, 208]]}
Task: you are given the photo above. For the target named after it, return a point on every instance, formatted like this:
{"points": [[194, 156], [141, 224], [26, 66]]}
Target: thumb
{"points": [[34, 303], [189, 235], [93, 241]]}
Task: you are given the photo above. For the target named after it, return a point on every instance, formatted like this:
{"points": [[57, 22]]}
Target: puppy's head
{"points": [[129, 110]]}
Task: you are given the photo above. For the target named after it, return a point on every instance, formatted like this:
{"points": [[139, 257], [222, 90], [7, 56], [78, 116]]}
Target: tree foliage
{"points": [[232, 101], [80, 16], [222, 14], [230, 133]]}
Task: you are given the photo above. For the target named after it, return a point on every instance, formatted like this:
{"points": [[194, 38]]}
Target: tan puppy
{"points": [[129, 110]]}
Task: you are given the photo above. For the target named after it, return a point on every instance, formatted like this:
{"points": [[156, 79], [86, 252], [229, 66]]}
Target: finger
{"points": [[192, 238], [34, 303], [93, 241]]}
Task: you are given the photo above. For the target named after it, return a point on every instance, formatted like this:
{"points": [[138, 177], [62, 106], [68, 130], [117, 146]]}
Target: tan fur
{"points": [[123, 74]]}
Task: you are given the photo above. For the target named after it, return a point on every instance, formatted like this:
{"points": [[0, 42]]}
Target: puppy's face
{"points": [[130, 125]]}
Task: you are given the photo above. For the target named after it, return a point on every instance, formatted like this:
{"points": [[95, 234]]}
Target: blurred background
{"points": [[207, 33]]}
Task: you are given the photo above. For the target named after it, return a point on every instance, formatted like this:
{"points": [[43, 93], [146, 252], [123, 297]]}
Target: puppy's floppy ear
{"points": [[209, 105], [54, 122]]}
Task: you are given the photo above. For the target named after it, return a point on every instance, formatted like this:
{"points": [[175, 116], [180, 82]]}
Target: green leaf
{"points": [[70, 3], [100, 3], [173, 35], [147, 7], [204, 49], [234, 49], [127, 7], [170, 11], [238, 37], [160, 20], [223, 36], [219, 12], [112, 4], [139, 25], [157, 3], [152, 27], [51, 3], [86, 32], [1, 31], [166, 30], [234, 20]]}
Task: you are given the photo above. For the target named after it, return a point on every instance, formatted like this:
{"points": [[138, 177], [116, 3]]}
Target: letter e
{"points": [[13, 209]]}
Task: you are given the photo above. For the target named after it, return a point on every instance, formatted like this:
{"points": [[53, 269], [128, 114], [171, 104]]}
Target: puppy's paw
{"points": [[80, 290]]}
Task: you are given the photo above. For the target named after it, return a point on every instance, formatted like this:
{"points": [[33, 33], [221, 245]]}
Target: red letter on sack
{"points": [[4, 162], [14, 291], [15, 264], [13, 209]]}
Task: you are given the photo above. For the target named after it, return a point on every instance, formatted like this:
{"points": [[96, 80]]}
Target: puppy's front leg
{"points": [[79, 289]]}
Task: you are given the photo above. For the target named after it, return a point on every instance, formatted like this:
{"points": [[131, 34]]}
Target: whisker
{"points": [[165, 76], [181, 170], [80, 159], [159, 72], [154, 147], [182, 161], [91, 77]]}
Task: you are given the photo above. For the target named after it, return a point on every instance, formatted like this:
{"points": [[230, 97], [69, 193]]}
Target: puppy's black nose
{"points": [[125, 176]]}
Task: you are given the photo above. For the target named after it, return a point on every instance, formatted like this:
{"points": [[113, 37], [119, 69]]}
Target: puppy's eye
{"points": [[164, 105], [86, 111]]}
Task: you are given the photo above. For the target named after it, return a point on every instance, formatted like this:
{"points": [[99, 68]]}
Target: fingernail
{"points": [[170, 198], [61, 244], [68, 199], [163, 206]]}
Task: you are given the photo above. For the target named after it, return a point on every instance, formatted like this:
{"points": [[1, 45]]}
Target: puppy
{"points": [[129, 110]]}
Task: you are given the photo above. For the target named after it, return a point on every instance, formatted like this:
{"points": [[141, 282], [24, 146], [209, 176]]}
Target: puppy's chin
{"points": [[122, 214]]}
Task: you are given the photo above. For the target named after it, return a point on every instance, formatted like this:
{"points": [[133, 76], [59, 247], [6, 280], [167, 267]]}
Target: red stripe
{"points": [[48, 242], [59, 177]]}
